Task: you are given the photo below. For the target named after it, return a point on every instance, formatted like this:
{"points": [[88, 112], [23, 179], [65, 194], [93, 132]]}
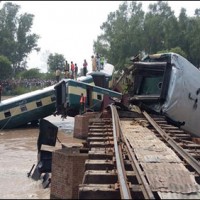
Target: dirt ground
{"points": [[18, 149]]}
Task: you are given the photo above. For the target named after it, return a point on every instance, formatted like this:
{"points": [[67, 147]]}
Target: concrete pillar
{"points": [[68, 166]]}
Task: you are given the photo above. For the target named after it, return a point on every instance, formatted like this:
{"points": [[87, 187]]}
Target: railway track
{"points": [[140, 158]]}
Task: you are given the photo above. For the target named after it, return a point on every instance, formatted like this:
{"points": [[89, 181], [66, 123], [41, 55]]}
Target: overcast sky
{"points": [[70, 27]]}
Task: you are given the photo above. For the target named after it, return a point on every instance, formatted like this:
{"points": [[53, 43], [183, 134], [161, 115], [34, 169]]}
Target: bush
{"points": [[5, 68]]}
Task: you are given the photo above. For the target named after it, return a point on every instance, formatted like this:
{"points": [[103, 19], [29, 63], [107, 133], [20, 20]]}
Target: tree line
{"points": [[17, 42], [129, 31]]}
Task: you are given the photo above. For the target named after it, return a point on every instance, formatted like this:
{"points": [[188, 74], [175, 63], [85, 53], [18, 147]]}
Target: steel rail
{"points": [[122, 178], [189, 159], [147, 192]]}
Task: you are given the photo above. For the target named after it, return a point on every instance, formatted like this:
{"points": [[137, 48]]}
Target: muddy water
{"points": [[18, 148]]}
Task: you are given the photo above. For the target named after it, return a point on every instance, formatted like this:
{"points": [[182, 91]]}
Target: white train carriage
{"points": [[168, 84]]}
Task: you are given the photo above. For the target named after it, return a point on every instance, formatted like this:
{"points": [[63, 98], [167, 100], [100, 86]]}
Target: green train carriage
{"points": [[64, 100], [68, 94], [27, 108]]}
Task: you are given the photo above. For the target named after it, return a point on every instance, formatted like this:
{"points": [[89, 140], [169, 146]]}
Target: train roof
{"points": [[87, 78], [26, 95], [77, 83], [164, 57], [171, 58], [107, 70]]}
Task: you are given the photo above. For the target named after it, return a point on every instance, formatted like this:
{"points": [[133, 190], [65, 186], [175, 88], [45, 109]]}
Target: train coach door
{"points": [[60, 94], [89, 103]]}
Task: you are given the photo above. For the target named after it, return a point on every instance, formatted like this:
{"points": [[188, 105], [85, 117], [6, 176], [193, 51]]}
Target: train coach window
{"points": [[99, 97], [7, 114], [39, 103], [23, 108]]}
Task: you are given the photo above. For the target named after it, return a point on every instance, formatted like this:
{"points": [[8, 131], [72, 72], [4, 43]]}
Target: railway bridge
{"points": [[139, 157]]}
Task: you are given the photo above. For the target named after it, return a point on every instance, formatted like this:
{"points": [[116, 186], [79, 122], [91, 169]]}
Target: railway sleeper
{"points": [[162, 121], [178, 132], [100, 120], [193, 151], [170, 128], [189, 146], [106, 177], [100, 134], [166, 125], [98, 191], [105, 144], [174, 134], [106, 191], [180, 138], [99, 139], [100, 130], [105, 165], [157, 118], [99, 126], [195, 155], [96, 121], [101, 153]]}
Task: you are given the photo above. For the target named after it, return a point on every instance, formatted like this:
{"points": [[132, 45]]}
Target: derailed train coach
{"points": [[68, 93], [170, 85], [27, 108]]}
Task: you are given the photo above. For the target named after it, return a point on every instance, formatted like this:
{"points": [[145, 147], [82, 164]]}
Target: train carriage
{"points": [[168, 84], [26, 108], [68, 94], [61, 99]]}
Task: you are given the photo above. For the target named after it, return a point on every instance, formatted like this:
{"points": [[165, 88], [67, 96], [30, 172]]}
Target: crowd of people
{"points": [[7, 86], [71, 69]]}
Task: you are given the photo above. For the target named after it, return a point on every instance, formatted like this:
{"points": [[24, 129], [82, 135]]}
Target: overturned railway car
{"points": [[27, 108], [68, 94], [35, 105], [170, 85]]}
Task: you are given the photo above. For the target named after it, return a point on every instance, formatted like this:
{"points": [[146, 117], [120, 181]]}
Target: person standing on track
{"points": [[82, 104]]}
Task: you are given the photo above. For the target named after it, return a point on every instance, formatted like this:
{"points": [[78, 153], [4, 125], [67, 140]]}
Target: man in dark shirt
{"points": [[85, 67]]}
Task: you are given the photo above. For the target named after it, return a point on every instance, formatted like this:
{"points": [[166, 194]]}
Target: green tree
{"points": [[31, 73], [117, 41], [5, 68], [156, 25], [194, 41], [136, 29], [56, 60], [183, 27], [16, 40], [129, 31]]}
